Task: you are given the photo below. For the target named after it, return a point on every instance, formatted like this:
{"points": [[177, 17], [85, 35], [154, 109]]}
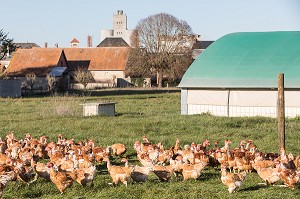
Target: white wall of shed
{"points": [[184, 110], [237, 103], [104, 76]]}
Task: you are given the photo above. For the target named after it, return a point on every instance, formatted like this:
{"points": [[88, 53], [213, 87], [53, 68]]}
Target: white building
{"points": [[119, 28]]}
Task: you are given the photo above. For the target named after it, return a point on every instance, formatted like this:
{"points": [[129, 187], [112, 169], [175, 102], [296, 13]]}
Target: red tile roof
{"points": [[42, 60], [106, 58], [74, 41], [38, 60]]}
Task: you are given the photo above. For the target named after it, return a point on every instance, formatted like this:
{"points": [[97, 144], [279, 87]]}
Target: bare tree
{"points": [[31, 79], [164, 47], [51, 82], [83, 76]]}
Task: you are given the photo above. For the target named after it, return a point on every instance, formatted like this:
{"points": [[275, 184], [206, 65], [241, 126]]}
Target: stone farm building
{"points": [[106, 65], [39, 61], [237, 75]]}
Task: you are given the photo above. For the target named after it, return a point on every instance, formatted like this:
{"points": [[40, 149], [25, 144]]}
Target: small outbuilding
{"points": [[237, 75]]}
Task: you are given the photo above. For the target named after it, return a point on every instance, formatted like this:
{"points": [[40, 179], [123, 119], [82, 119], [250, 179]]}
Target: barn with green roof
{"points": [[237, 75]]}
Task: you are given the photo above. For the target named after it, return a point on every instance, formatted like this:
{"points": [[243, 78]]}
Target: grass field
{"points": [[154, 113]]}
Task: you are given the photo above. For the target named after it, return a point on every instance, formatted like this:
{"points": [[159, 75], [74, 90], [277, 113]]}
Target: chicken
{"points": [[287, 171], [164, 173], [55, 155], [222, 158], [213, 154], [263, 164], [26, 155], [225, 148], [61, 179], [140, 174], [232, 180], [10, 139], [176, 147], [188, 154], [5, 178], [145, 160], [118, 149], [100, 153], [24, 173], [118, 173], [192, 171], [204, 146], [3, 158], [67, 164], [290, 177], [3, 145], [138, 147], [41, 170], [4, 168], [231, 161], [146, 140], [153, 154], [201, 158], [164, 156], [243, 164], [270, 175], [85, 175], [297, 162], [142, 147], [177, 164]]}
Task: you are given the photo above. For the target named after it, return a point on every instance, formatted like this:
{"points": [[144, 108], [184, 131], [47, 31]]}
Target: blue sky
{"points": [[59, 21]]}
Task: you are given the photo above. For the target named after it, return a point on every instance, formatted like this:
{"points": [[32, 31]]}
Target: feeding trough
{"points": [[99, 108]]}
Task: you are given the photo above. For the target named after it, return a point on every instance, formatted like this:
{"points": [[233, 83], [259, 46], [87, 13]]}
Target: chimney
{"points": [[46, 44], [89, 41]]}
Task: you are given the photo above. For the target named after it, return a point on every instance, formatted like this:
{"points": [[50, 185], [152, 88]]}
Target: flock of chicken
{"points": [[70, 161]]}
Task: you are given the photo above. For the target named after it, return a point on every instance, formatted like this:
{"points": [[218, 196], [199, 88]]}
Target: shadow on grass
{"points": [[129, 114], [108, 92], [32, 194], [208, 175], [101, 168], [254, 188], [126, 91]]}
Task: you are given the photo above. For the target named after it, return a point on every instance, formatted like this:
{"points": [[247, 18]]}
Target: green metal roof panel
{"points": [[247, 60]]}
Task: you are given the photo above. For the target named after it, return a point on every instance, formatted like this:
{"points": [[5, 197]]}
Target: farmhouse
{"points": [[107, 64], [40, 62], [237, 75]]}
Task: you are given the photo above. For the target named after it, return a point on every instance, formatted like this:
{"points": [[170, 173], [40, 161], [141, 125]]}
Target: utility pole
{"points": [[280, 111]]}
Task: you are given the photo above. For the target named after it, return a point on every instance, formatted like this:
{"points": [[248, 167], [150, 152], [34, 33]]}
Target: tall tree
{"points": [[163, 46], [6, 44]]}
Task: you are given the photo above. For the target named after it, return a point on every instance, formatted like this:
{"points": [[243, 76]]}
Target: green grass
{"points": [[153, 113]]}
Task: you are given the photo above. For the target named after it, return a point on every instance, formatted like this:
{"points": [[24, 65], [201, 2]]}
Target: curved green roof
{"points": [[247, 60]]}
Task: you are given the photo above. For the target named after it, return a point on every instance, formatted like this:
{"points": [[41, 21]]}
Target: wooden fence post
{"points": [[280, 111]]}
